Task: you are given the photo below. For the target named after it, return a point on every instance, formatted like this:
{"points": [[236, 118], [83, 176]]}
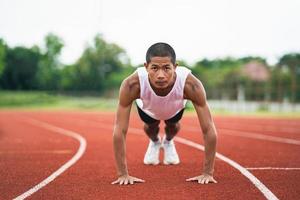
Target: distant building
{"points": [[256, 71]]}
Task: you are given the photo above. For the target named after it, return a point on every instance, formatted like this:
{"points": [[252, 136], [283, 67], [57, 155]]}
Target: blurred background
{"points": [[74, 54]]}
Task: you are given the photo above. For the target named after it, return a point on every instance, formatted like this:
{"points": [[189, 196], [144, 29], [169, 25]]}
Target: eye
{"points": [[154, 68], [167, 68]]}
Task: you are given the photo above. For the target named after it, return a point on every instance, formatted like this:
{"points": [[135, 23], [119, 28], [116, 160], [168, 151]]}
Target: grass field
{"points": [[21, 100], [44, 100]]}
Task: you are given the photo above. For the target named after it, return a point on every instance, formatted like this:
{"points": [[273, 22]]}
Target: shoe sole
{"points": [[171, 163], [156, 163]]}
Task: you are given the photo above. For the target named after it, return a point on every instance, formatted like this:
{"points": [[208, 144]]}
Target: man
{"points": [[160, 90]]}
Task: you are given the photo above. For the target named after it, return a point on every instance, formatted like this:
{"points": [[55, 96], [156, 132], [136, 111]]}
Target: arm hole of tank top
{"points": [[140, 74], [184, 81]]}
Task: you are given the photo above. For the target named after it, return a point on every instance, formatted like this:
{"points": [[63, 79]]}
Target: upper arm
{"points": [[195, 92], [129, 91]]}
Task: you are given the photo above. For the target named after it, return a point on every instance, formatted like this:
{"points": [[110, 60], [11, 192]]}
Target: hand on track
{"points": [[203, 179], [126, 179]]}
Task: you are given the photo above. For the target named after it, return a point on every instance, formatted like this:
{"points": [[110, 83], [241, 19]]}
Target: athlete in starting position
{"points": [[161, 89]]}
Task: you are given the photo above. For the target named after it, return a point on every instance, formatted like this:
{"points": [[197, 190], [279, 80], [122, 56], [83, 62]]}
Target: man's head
{"points": [[161, 65]]}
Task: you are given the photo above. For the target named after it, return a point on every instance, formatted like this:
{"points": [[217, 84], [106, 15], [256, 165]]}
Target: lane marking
{"points": [[264, 190], [235, 133], [257, 183], [267, 128], [273, 168], [64, 151], [64, 167], [251, 135]]}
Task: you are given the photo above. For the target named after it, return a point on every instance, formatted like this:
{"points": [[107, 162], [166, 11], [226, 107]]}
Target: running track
{"points": [[69, 155]]}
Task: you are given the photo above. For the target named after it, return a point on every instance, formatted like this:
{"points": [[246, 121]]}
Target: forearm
{"points": [[120, 152], [210, 142]]}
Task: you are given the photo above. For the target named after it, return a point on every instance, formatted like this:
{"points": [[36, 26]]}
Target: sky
{"points": [[196, 29]]}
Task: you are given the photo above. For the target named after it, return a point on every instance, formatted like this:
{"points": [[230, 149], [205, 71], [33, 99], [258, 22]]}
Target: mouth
{"points": [[161, 83]]}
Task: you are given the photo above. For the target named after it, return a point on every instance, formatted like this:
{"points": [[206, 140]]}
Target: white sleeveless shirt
{"points": [[162, 107]]}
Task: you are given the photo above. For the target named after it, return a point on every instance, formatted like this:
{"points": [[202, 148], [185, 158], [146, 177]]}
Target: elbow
{"points": [[210, 133], [119, 134]]}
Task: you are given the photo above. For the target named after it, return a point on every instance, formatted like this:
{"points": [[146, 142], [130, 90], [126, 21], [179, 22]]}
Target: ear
{"points": [[145, 64], [176, 64]]}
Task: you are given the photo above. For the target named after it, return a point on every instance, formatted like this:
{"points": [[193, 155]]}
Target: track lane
{"points": [[26, 152], [239, 178], [154, 174]]}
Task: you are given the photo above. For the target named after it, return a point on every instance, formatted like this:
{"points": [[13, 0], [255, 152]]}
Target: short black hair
{"points": [[161, 49]]}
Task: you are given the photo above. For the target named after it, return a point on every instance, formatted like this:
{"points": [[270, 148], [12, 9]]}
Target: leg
{"points": [[152, 154], [170, 153], [151, 125], [152, 130], [171, 130], [173, 126]]}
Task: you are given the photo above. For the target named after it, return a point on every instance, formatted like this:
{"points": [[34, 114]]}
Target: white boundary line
{"points": [[251, 135], [64, 167], [273, 168], [264, 190], [236, 133]]}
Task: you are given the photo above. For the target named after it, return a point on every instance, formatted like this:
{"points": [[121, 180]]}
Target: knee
{"points": [[152, 126], [173, 126]]}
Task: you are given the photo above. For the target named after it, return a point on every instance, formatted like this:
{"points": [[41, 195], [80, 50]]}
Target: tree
{"points": [[292, 62], [3, 49], [219, 76], [94, 68], [21, 65], [48, 75]]}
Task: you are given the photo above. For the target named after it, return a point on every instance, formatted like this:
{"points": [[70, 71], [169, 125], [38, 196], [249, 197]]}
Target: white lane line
{"points": [[244, 134], [264, 190], [65, 151], [64, 167], [273, 168], [251, 135]]}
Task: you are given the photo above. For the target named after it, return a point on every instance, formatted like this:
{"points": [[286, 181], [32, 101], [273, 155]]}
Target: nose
{"points": [[160, 74]]}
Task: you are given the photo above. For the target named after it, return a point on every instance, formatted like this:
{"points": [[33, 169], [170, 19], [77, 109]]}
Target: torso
{"points": [[191, 85]]}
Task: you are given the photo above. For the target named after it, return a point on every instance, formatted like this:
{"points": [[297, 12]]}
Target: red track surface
{"points": [[30, 153]]}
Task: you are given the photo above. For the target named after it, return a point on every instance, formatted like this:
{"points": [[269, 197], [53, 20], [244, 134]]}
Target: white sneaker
{"points": [[170, 153], [152, 153]]}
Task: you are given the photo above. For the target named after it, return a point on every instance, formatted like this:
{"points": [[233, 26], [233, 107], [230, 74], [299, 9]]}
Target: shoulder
{"points": [[131, 82], [183, 70], [194, 90], [130, 89]]}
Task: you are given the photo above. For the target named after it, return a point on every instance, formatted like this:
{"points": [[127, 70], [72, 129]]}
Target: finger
{"points": [[202, 181], [139, 180], [213, 180], [191, 179], [115, 182], [125, 181], [206, 181], [131, 181], [121, 182]]}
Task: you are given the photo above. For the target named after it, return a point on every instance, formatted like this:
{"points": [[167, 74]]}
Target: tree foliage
{"points": [[21, 65], [103, 65]]}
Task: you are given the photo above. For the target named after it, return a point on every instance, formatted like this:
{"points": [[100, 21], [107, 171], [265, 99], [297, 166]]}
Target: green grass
{"points": [[48, 101]]}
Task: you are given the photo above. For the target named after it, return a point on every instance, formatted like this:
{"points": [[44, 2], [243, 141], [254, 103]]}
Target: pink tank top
{"points": [[162, 107]]}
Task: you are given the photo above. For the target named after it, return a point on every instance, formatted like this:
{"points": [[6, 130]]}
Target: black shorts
{"points": [[149, 120]]}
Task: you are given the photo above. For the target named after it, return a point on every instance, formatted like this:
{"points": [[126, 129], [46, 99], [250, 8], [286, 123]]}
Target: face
{"points": [[161, 72]]}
